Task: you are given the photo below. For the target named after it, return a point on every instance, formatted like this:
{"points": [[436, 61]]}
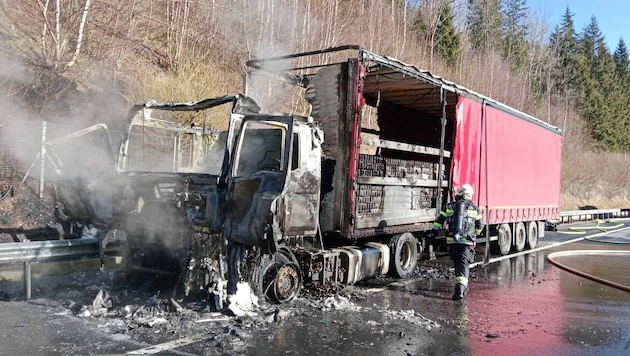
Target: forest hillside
{"points": [[89, 60]]}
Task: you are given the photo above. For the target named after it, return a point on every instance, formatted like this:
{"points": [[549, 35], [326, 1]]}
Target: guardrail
{"points": [[47, 251], [567, 217], [40, 251]]}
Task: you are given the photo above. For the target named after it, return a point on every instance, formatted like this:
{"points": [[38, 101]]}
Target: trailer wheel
{"points": [[504, 239], [404, 255], [532, 234], [520, 237]]}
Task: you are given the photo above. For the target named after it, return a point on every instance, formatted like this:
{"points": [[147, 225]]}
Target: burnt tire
{"points": [[277, 277], [404, 255], [282, 282]]}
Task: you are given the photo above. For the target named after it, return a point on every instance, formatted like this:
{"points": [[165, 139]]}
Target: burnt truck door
{"points": [[300, 201], [85, 188], [257, 175]]}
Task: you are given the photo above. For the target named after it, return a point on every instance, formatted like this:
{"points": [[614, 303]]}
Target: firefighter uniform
{"points": [[463, 223]]}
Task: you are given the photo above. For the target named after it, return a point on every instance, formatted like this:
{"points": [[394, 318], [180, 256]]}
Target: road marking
{"points": [[168, 346]]}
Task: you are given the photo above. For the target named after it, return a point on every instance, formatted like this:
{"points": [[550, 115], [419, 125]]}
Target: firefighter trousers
{"points": [[462, 256]]}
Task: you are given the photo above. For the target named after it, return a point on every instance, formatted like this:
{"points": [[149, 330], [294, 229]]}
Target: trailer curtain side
{"points": [[512, 163]]}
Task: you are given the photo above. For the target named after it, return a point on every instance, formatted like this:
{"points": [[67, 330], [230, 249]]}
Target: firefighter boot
{"points": [[460, 291]]}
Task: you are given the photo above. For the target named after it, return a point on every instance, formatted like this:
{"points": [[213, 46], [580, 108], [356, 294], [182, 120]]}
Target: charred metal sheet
{"points": [[250, 207], [81, 161], [301, 200], [240, 104]]}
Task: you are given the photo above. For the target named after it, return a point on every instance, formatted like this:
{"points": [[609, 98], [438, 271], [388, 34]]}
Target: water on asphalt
{"points": [[519, 306]]}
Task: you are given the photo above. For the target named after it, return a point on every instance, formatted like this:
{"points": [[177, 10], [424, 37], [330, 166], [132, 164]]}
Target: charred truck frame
{"points": [[342, 193]]}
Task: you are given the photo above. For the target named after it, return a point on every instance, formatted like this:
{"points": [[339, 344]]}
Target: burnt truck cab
{"points": [[272, 198], [274, 189], [160, 194], [170, 161], [273, 183]]}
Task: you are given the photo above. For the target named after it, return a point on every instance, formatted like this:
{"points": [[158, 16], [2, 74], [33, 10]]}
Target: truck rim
{"points": [[286, 284], [405, 255]]}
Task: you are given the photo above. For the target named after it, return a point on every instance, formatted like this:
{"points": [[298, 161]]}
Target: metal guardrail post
{"points": [[27, 280], [43, 163]]}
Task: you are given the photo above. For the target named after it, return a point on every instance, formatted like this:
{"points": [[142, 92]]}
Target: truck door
{"points": [[301, 198], [256, 177], [83, 176]]}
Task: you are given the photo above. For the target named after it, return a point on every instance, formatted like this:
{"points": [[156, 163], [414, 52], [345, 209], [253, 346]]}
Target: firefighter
{"points": [[463, 224]]}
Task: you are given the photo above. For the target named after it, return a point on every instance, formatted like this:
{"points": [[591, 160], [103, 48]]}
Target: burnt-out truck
{"points": [[340, 189], [358, 182]]}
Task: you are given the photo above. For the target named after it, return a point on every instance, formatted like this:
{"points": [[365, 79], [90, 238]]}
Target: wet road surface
{"points": [[519, 306]]}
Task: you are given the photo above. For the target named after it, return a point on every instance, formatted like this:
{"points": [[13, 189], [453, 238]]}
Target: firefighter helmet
{"points": [[466, 191]]}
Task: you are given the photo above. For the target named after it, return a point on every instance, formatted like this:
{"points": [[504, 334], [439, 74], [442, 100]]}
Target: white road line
{"points": [[168, 346]]}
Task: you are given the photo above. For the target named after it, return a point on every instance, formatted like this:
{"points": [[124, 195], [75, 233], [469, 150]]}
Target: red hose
{"points": [[591, 277]]}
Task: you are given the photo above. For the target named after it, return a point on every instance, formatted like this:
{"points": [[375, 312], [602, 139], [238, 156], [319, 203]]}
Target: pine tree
{"points": [[449, 42], [591, 41], [622, 62], [515, 31], [563, 42], [602, 96], [484, 23]]}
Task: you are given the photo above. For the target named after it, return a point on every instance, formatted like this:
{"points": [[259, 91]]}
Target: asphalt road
{"points": [[518, 306]]}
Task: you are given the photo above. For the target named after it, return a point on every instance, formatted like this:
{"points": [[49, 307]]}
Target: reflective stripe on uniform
{"points": [[437, 225], [461, 280], [462, 241]]}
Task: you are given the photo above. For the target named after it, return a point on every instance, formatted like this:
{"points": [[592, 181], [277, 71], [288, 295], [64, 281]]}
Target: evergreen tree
{"points": [[515, 31], [484, 23], [563, 42], [601, 92], [591, 41], [622, 62], [449, 43]]}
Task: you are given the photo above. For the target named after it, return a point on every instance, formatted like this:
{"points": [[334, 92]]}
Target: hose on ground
{"points": [[578, 230], [552, 259]]}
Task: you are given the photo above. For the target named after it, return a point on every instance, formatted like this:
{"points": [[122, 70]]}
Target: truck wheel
{"points": [[504, 239], [520, 237], [404, 255], [279, 276], [532, 234], [285, 284]]}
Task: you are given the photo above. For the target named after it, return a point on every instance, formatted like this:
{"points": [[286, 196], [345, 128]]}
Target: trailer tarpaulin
{"points": [[518, 161]]}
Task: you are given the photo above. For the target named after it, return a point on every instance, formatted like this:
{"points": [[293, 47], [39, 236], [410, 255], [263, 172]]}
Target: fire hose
{"points": [[582, 230], [551, 257], [604, 230]]}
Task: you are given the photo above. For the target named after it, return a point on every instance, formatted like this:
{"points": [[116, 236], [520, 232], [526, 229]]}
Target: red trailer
{"points": [[513, 162]]}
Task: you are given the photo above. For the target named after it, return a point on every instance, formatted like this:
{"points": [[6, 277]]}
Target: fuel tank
{"points": [[363, 262]]}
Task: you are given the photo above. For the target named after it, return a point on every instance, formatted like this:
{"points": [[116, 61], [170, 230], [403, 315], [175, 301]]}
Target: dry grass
{"points": [[595, 178]]}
